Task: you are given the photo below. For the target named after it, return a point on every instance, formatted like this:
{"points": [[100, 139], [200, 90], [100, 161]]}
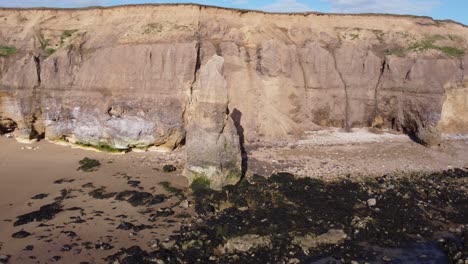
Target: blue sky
{"points": [[440, 9]]}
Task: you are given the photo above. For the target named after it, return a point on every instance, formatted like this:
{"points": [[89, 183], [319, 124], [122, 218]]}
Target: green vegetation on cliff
{"points": [[428, 43], [102, 147], [6, 51]]}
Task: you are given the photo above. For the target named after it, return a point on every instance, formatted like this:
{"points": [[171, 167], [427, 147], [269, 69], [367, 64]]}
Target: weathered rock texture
{"points": [[127, 76], [213, 148]]}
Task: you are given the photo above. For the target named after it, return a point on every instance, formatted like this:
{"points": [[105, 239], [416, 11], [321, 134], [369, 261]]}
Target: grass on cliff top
{"points": [[152, 28], [6, 51], [428, 44]]}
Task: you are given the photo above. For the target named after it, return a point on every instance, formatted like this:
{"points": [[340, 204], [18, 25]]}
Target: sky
{"points": [[456, 10]]}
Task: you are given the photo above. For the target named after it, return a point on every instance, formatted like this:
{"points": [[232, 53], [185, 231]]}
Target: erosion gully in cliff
{"points": [[213, 82]]}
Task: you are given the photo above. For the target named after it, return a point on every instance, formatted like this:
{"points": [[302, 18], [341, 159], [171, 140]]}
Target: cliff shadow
{"points": [[236, 116]]}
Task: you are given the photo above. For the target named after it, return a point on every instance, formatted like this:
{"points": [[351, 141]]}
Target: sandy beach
{"points": [[49, 169]]}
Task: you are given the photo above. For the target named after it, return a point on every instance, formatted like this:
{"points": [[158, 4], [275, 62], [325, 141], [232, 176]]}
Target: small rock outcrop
{"points": [[311, 241], [212, 143], [245, 243]]}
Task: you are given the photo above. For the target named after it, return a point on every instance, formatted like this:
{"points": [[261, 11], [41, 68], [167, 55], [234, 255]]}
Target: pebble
{"points": [[371, 202], [21, 234], [387, 259], [29, 248], [4, 259], [184, 204]]}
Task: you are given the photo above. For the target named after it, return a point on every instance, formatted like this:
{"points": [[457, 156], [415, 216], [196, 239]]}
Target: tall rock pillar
{"points": [[212, 143]]}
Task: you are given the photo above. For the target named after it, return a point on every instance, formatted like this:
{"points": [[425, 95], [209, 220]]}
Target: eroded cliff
{"points": [[125, 77]]}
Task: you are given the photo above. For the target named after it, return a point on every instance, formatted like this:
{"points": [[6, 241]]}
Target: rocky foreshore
{"points": [[94, 207]]}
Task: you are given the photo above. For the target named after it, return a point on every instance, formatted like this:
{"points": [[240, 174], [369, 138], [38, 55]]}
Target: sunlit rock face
{"points": [[213, 148]]}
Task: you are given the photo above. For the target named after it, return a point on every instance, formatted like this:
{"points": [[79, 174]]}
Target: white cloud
{"points": [[383, 6], [50, 3], [287, 6]]}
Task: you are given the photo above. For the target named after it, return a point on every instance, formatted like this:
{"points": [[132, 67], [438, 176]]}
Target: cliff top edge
{"points": [[242, 11]]}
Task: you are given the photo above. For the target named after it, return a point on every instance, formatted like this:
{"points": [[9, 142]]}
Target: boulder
{"points": [[245, 243], [311, 241]]}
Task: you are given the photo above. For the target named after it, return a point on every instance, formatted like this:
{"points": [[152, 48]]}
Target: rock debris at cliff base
{"points": [[413, 219]]}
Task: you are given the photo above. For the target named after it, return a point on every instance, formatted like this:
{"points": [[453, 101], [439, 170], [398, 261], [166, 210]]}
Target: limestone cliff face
{"points": [[125, 76]]}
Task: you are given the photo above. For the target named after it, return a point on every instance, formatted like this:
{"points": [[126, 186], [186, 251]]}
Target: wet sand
{"points": [[25, 173]]}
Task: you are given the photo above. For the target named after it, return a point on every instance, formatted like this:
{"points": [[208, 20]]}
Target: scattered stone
{"points": [[140, 198], [311, 241], [164, 212], [29, 248], [371, 202], [134, 183], [66, 247], [168, 244], [69, 234], [40, 196], [63, 180], [21, 234], [135, 228], [169, 168], [4, 259], [184, 204], [125, 226], [56, 258], [386, 259], [246, 242], [101, 194], [103, 246], [46, 212]]}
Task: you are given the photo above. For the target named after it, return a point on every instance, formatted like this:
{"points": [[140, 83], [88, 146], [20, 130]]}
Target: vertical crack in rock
{"points": [[37, 61], [462, 68], [195, 73], [258, 66], [378, 85], [35, 132], [345, 86], [408, 75], [305, 105], [194, 81]]}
